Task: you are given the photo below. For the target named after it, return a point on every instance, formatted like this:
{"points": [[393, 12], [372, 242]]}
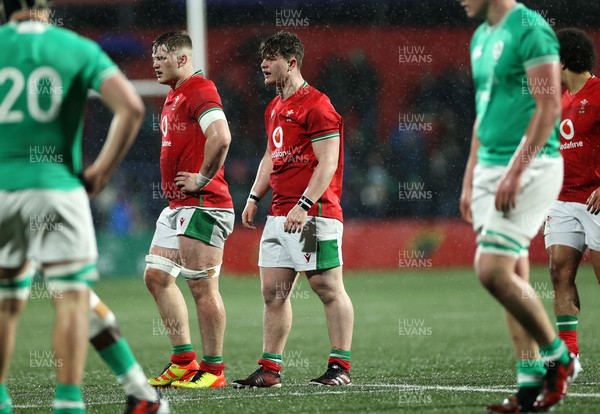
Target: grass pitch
{"points": [[427, 341]]}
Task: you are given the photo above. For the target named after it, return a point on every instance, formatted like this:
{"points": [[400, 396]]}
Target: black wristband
{"points": [[305, 203], [254, 197]]}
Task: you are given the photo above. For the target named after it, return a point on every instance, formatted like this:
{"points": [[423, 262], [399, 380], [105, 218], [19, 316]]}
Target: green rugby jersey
{"points": [[500, 55], [45, 75]]}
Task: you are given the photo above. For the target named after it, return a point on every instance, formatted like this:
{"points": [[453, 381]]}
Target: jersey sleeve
{"points": [[205, 105], [538, 43], [97, 67], [323, 122]]}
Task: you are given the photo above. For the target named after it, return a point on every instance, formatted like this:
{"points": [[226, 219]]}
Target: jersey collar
{"points": [[28, 26], [489, 28]]}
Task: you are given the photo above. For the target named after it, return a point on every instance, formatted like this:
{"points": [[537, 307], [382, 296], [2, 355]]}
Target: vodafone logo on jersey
{"points": [[278, 137], [164, 126], [567, 131]]}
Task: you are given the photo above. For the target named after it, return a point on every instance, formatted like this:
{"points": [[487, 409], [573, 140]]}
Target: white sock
{"points": [[135, 383]]}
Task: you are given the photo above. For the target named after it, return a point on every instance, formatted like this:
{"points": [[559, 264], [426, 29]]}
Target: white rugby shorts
{"points": [[510, 233], [317, 247], [212, 226], [46, 226], [570, 224]]}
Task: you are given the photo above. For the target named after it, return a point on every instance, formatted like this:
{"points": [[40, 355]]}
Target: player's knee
{"points": [[203, 290], [488, 274], [325, 291], [155, 280], [275, 295], [19, 286], [486, 278], [160, 272], [77, 276], [102, 319], [561, 273]]}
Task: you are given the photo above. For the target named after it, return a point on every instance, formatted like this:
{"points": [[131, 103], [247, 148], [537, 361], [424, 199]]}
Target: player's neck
{"points": [[497, 10], [188, 73], [291, 87], [30, 15], [576, 81]]}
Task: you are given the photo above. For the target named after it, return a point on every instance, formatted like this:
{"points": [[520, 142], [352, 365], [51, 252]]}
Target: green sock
{"points": [[3, 392], [118, 357], [180, 349], [530, 373], [5, 402], [276, 358], [567, 323], [555, 351], [212, 359], [68, 400]]}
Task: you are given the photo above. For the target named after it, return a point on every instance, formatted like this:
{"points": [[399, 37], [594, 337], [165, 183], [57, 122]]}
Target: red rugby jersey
{"points": [[580, 142], [183, 143], [292, 126]]}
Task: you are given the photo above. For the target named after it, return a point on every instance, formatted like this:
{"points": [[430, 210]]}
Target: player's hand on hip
{"points": [[506, 195], [465, 204], [94, 180], [593, 202], [186, 182], [295, 220], [248, 215]]}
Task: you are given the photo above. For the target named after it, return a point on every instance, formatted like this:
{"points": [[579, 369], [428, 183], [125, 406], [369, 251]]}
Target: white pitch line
{"points": [[466, 388], [178, 396], [243, 394]]}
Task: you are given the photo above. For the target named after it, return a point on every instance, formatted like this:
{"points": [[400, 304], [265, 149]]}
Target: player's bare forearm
{"points": [[544, 86], [472, 161], [259, 188], [327, 153], [218, 139], [120, 97], [262, 181], [118, 94], [467, 187]]}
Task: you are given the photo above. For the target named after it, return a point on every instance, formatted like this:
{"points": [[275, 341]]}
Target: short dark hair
{"points": [[172, 41], [282, 43], [577, 51], [8, 7]]}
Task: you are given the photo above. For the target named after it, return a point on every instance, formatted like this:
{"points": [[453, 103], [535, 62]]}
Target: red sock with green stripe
{"points": [[272, 362], [183, 354], [212, 364], [68, 400], [567, 331], [340, 357]]}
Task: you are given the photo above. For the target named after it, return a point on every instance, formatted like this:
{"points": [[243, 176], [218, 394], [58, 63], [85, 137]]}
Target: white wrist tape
{"points": [[202, 181]]}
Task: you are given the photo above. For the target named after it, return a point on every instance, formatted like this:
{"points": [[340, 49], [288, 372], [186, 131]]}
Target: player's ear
{"points": [[292, 64], [182, 60]]}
